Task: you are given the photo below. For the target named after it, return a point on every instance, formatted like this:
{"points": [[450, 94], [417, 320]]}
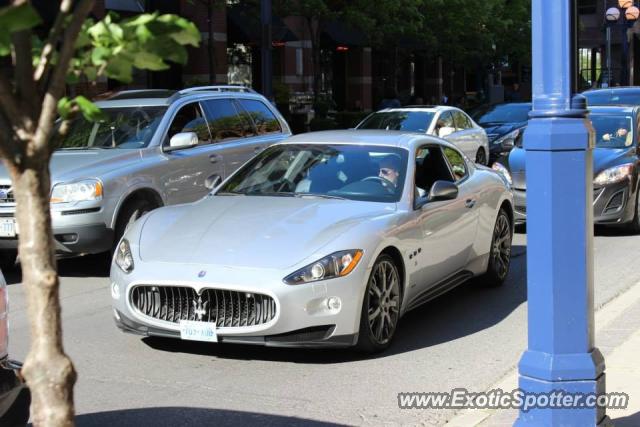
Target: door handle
{"points": [[470, 203], [213, 158]]}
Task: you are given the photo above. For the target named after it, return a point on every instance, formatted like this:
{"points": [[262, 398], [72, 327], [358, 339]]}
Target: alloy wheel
{"points": [[384, 302], [501, 246], [481, 158]]}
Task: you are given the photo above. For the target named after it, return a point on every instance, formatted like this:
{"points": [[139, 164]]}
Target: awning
{"points": [[336, 32], [125, 5], [243, 26]]}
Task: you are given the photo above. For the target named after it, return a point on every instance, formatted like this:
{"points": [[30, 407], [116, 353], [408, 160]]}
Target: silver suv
{"points": [[156, 148]]}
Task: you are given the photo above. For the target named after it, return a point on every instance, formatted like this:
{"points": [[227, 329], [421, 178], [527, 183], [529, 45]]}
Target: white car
{"points": [[446, 122], [326, 239]]}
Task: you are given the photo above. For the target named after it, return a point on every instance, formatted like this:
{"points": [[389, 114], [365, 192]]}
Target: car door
{"points": [[268, 128], [448, 227], [466, 135], [231, 133], [185, 170]]}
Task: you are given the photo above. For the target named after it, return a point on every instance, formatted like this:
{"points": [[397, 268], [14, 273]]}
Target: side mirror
{"points": [[443, 190], [212, 182], [445, 131], [182, 140]]}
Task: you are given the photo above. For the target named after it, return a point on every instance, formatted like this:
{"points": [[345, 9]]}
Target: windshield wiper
{"points": [[320, 196], [268, 194], [229, 193]]}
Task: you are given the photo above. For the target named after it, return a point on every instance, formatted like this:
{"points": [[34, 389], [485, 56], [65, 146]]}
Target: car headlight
{"points": [[89, 189], [337, 264], [498, 167], [614, 174], [509, 140], [124, 257]]}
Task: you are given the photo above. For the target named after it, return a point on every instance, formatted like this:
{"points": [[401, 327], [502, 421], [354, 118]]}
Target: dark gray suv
{"points": [[155, 148]]}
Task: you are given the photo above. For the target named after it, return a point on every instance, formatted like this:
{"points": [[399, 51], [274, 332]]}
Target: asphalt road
{"points": [[468, 338]]}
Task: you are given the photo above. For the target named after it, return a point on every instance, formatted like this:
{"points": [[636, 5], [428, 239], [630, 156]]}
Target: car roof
{"points": [[629, 109], [389, 138], [617, 89], [166, 97], [426, 108]]}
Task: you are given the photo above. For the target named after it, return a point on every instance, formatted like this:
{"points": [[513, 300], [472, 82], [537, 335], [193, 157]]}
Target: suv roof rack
{"points": [[141, 93], [217, 88]]}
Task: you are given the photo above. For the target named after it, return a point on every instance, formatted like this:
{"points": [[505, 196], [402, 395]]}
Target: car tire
{"points": [[481, 157], [8, 259], [132, 211], [500, 252], [634, 226], [18, 413], [380, 306]]}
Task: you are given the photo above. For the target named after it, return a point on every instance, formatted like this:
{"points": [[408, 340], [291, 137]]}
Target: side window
{"points": [[430, 167], [262, 116], [456, 160], [462, 121], [224, 121], [189, 119], [445, 120]]}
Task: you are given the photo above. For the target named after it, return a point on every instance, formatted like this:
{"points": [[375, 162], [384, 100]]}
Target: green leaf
{"points": [[64, 107], [15, 18], [149, 61], [89, 110], [120, 68]]}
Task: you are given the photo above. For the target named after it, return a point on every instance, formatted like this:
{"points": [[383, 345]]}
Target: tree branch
{"points": [[55, 87], [23, 74], [44, 64], [11, 109]]}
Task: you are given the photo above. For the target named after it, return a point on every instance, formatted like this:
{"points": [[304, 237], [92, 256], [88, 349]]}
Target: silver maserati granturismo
{"points": [[326, 239]]}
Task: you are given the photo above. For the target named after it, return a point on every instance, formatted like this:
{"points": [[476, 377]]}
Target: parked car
{"points": [[15, 397], [449, 123], [155, 148], [324, 240], [613, 96], [615, 168], [504, 124]]}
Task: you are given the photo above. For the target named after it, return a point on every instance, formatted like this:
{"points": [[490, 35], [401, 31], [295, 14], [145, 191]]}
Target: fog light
{"points": [[334, 303], [115, 291]]}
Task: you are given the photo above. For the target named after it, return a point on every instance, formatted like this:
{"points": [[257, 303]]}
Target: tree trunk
{"points": [[47, 369]]}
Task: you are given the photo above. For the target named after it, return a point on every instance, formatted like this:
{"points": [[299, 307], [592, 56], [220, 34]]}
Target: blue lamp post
{"points": [[561, 355]]}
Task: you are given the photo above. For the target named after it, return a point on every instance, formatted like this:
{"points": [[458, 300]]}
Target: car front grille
{"points": [[6, 194], [227, 309]]}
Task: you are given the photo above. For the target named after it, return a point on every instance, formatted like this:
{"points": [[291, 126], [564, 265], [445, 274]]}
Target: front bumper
{"points": [[76, 231], [14, 394], [612, 204], [303, 317]]}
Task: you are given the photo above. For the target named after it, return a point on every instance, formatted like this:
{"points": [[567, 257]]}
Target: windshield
{"points": [[612, 98], [354, 172], [131, 127], [412, 121], [612, 131], [505, 113]]}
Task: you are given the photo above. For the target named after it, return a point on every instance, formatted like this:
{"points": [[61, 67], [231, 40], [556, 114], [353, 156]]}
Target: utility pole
{"points": [[561, 354]]}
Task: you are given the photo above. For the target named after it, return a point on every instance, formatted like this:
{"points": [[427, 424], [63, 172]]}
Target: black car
{"points": [[616, 164], [613, 96], [504, 124]]}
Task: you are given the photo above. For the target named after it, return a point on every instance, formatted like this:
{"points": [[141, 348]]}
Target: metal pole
{"points": [[608, 79], [561, 357], [267, 68]]}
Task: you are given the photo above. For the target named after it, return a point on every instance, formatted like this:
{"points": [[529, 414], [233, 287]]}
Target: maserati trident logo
{"points": [[202, 273], [200, 307]]}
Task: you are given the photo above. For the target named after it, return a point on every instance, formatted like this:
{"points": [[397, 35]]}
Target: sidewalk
{"points": [[618, 338]]}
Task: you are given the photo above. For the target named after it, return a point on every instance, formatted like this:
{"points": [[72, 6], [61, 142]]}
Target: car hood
{"points": [[68, 165], [603, 158], [495, 131], [251, 232]]}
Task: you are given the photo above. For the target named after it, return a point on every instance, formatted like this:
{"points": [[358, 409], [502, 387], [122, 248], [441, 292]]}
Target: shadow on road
{"points": [[84, 266], [632, 420], [604, 231], [464, 311], [175, 416]]}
